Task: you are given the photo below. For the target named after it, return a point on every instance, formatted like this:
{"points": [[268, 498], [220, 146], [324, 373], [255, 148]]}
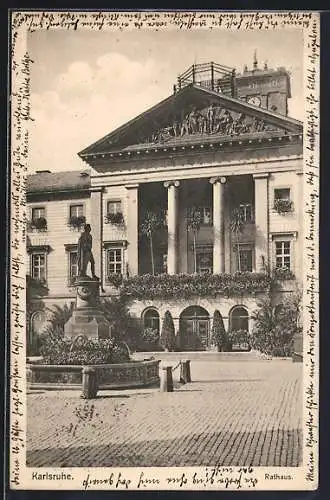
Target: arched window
{"points": [[37, 321], [239, 319], [151, 319]]}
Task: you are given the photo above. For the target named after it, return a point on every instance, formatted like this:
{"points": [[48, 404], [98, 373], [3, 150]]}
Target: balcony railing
{"points": [[211, 75]]}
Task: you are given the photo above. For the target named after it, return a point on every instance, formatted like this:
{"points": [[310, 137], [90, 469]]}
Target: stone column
{"points": [[261, 207], [96, 222], [132, 228], [218, 224], [172, 225]]}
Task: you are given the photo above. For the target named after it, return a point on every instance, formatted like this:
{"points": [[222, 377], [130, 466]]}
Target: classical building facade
{"points": [[205, 184]]}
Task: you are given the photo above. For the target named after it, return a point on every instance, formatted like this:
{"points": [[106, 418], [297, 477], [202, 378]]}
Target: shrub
{"points": [[149, 340], [218, 335], [240, 339], [57, 317], [62, 351], [167, 337], [116, 312], [150, 336], [275, 326], [115, 280]]}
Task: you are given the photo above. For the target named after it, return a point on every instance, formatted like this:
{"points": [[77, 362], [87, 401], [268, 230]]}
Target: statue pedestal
{"points": [[87, 318]]}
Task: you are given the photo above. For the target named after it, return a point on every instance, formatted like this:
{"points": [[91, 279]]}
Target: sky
{"points": [[86, 84]]}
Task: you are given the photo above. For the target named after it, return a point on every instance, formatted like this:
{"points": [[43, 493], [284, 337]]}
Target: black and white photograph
{"points": [[164, 235]]}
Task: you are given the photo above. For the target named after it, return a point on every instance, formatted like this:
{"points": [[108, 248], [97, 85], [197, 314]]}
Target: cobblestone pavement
{"points": [[233, 413]]}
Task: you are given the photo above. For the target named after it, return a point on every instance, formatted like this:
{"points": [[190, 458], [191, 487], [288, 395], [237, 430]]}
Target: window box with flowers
{"points": [[283, 206], [283, 274], [77, 221], [39, 224], [167, 286], [38, 282], [116, 218]]}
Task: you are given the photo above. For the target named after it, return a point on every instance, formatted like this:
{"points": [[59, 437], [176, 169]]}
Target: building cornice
{"points": [[58, 192], [218, 144], [200, 170]]}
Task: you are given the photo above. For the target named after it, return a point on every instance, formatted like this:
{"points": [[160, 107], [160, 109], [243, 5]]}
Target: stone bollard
{"points": [[89, 383], [185, 376], [166, 379]]}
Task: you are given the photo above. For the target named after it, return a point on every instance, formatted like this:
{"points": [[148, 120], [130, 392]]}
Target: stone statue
{"points": [[85, 254]]}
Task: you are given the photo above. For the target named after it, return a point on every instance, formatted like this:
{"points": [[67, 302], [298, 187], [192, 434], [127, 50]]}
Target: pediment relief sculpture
{"points": [[207, 121]]}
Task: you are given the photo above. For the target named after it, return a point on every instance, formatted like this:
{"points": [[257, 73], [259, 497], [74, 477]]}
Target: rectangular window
{"points": [[246, 212], [73, 266], [161, 262], [282, 194], [38, 266], [165, 217], [205, 262], [114, 261], [38, 212], [76, 210], [114, 207], [283, 254], [206, 215], [246, 259], [164, 270]]}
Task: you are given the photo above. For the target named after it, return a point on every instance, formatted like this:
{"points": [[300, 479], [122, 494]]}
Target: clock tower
{"points": [[267, 88]]}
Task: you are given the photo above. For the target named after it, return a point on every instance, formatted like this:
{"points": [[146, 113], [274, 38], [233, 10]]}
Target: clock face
{"points": [[255, 100]]}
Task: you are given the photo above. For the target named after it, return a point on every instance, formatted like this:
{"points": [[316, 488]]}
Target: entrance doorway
{"points": [[194, 329]]}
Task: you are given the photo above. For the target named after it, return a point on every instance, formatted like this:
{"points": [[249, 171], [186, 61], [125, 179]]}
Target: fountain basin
{"points": [[109, 376]]}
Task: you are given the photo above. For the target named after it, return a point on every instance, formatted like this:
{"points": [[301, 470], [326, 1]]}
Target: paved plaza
{"points": [[235, 412]]}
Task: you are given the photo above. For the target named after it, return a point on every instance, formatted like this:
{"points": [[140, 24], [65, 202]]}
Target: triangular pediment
{"points": [[194, 115]]}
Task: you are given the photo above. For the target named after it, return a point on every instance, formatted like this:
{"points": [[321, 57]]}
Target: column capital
{"points": [[220, 179], [132, 186], [168, 184]]}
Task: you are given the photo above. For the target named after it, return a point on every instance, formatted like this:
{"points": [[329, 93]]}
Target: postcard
{"points": [[164, 239]]}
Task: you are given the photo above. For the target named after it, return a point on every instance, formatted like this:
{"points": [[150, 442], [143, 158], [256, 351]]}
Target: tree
{"points": [[194, 220], [57, 317], [35, 289], [152, 221], [219, 337], [236, 225], [275, 325], [116, 312], [167, 336]]}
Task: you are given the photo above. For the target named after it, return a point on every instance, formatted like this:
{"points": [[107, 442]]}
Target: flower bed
{"points": [[109, 376], [167, 286], [58, 350]]}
